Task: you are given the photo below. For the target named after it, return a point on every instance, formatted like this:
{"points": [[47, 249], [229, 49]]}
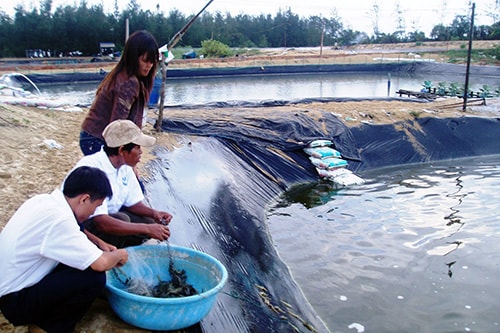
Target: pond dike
{"points": [[407, 67], [230, 169]]}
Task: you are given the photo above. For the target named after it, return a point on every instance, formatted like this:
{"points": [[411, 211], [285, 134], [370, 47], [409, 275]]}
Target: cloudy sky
{"points": [[356, 14]]}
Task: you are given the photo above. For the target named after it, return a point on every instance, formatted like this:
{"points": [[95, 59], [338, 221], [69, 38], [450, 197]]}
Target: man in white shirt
{"points": [[51, 271], [124, 220]]}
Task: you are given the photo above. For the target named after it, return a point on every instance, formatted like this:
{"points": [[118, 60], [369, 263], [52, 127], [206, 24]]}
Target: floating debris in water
{"points": [[358, 327]]}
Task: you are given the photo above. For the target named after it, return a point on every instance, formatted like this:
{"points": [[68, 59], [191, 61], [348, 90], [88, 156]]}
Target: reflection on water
{"points": [[415, 249], [280, 87]]}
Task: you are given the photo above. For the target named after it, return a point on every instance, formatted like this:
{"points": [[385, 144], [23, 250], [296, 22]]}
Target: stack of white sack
{"points": [[329, 163]]}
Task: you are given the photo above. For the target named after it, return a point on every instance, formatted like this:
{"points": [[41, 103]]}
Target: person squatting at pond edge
{"points": [[124, 220], [51, 271], [124, 92]]}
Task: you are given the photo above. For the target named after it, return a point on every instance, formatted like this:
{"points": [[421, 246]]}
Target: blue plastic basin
{"points": [[150, 262]]}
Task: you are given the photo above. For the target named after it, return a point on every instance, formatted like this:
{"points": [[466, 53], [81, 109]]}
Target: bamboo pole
{"points": [[163, 69]]}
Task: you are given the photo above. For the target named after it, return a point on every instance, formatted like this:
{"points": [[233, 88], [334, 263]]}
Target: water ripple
{"points": [[423, 236]]}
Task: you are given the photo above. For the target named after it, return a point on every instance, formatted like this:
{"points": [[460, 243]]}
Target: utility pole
{"points": [[322, 38], [471, 33], [127, 29]]}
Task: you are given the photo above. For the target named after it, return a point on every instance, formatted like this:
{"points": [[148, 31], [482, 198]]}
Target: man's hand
{"points": [[122, 255], [108, 260], [143, 210], [162, 217], [158, 231]]}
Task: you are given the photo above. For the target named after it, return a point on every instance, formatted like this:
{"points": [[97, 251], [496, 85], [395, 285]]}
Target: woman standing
{"points": [[124, 92]]}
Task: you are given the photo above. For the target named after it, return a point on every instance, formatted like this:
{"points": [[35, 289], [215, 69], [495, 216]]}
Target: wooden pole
{"points": [[163, 68], [163, 73], [471, 33]]}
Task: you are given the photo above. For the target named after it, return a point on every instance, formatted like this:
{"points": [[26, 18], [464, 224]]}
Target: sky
{"points": [[355, 14]]}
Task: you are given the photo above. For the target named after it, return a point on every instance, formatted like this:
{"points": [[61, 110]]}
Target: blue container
{"points": [[205, 273], [154, 97]]}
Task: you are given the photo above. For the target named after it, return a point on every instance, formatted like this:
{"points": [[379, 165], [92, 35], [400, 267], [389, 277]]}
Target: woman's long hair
{"points": [[139, 43]]}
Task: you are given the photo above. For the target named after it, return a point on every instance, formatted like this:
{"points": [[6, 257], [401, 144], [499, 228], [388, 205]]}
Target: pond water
{"points": [[415, 249], [277, 87]]}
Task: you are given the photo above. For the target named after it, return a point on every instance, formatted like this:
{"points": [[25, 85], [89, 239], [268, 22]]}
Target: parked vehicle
{"points": [[189, 55]]}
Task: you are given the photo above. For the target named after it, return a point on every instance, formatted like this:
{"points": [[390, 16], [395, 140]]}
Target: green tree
{"points": [[169, 26], [416, 36], [460, 27], [260, 35], [315, 27], [6, 27], [26, 35], [82, 27], [495, 32], [440, 33]]}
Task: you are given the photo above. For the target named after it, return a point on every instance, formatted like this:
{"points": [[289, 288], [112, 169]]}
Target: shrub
{"points": [[214, 49]]}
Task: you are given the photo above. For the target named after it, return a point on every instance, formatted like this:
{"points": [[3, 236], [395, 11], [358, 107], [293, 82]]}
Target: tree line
{"points": [[72, 29]]}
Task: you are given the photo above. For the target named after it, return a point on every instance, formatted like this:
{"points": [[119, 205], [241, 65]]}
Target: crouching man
{"points": [[124, 220], [51, 272]]}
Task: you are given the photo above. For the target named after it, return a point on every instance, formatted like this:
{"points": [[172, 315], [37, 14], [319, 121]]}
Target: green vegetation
{"points": [[484, 57], [427, 85], [215, 49], [12, 118], [453, 89], [78, 30], [415, 114]]}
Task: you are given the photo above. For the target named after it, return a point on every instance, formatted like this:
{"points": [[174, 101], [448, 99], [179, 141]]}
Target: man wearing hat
{"points": [[124, 220]]}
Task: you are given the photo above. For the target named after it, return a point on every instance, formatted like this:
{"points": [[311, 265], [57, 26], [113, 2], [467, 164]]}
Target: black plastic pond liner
{"points": [[48, 79], [425, 140], [265, 158], [226, 219], [274, 146]]}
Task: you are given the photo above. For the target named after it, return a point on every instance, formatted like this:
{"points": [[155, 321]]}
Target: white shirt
{"points": [[42, 233], [126, 189]]}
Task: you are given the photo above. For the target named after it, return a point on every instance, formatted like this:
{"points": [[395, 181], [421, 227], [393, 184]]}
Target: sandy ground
{"points": [[30, 166]]}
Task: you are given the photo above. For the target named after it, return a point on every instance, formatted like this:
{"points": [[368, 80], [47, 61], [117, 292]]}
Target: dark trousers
{"points": [[56, 303], [90, 144], [120, 241]]}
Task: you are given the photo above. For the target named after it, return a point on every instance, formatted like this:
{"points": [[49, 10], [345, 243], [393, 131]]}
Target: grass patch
{"points": [[415, 114], [480, 56]]}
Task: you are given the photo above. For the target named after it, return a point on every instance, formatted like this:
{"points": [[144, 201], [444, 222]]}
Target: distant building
{"points": [[107, 48], [37, 53]]}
